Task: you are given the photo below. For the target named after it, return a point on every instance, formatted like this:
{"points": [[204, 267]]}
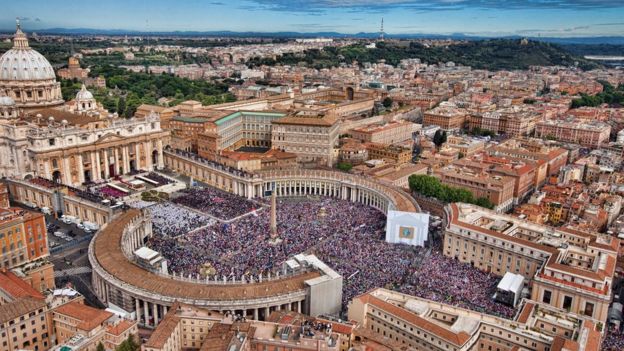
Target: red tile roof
{"points": [[89, 317], [16, 287]]}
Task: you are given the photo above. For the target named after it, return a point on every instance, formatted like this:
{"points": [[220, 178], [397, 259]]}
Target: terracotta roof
{"points": [[20, 307], [407, 170], [554, 253], [455, 220], [340, 328], [165, 328], [16, 287], [377, 342], [148, 108], [278, 154], [526, 312], [613, 245], [220, 335], [109, 255], [457, 339], [307, 121], [593, 337], [121, 327], [89, 317]]}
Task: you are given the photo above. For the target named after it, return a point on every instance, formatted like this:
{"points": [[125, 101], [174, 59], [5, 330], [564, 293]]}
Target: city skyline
{"points": [[559, 18]]}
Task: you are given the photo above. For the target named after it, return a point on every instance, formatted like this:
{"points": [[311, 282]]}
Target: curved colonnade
{"points": [[119, 281]]}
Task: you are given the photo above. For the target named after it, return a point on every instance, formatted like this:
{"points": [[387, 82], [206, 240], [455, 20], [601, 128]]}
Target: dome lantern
{"points": [[19, 40]]}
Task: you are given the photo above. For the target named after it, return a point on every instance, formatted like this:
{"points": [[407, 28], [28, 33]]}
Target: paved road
{"points": [[72, 271]]}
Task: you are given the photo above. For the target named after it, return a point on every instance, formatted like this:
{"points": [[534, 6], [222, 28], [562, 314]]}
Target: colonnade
{"points": [[149, 313], [337, 189], [301, 183], [240, 185]]}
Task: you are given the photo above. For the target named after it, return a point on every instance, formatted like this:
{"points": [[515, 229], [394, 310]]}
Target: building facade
{"points": [[589, 134], [411, 323], [569, 269]]}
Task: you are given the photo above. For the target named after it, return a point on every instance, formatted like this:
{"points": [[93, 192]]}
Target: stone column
{"points": [[46, 169], [146, 314], [137, 309], [148, 155], [255, 314], [81, 178], [94, 172], [106, 167], [124, 159], [155, 308], [67, 171], [116, 163], [299, 306], [95, 165], [137, 156], [161, 158]]}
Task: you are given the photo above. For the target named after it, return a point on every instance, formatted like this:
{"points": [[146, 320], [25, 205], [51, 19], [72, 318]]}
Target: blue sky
{"points": [[562, 18]]}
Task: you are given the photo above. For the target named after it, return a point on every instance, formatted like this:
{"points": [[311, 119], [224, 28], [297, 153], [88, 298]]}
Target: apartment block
{"points": [[589, 134], [419, 324], [568, 269]]}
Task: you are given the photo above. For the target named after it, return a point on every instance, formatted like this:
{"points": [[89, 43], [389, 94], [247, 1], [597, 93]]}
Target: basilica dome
{"points": [[24, 63], [27, 77]]}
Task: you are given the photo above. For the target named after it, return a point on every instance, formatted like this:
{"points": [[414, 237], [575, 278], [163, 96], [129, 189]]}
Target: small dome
{"points": [[84, 94]]}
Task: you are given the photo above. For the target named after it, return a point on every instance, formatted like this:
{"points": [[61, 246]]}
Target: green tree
{"points": [[110, 104], [484, 202], [128, 345], [344, 166], [121, 106], [387, 102], [100, 347], [431, 187]]}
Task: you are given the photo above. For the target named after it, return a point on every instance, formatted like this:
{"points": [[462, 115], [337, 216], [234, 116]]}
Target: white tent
{"points": [[511, 284]]}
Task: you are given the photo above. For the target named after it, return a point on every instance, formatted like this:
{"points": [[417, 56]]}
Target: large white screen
{"points": [[407, 228]]}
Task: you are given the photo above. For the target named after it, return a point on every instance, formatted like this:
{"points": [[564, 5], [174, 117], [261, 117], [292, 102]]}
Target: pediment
{"points": [[107, 138]]}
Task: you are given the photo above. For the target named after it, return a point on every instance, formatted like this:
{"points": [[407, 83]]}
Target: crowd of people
{"points": [[216, 203], [169, 220], [110, 192], [349, 237], [464, 286], [160, 179], [614, 341]]}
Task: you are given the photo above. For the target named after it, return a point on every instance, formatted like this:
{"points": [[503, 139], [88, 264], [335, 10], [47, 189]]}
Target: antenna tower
{"points": [[381, 31]]}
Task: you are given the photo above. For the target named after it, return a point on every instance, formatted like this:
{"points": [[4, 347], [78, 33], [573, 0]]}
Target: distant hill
{"points": [[494, 54], [616, 40]]}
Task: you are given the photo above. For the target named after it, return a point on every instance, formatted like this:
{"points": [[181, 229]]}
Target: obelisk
{"points": [[274, 238]]}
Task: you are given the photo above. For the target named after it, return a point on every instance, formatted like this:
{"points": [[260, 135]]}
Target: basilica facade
{"points": [[73, 142]]}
